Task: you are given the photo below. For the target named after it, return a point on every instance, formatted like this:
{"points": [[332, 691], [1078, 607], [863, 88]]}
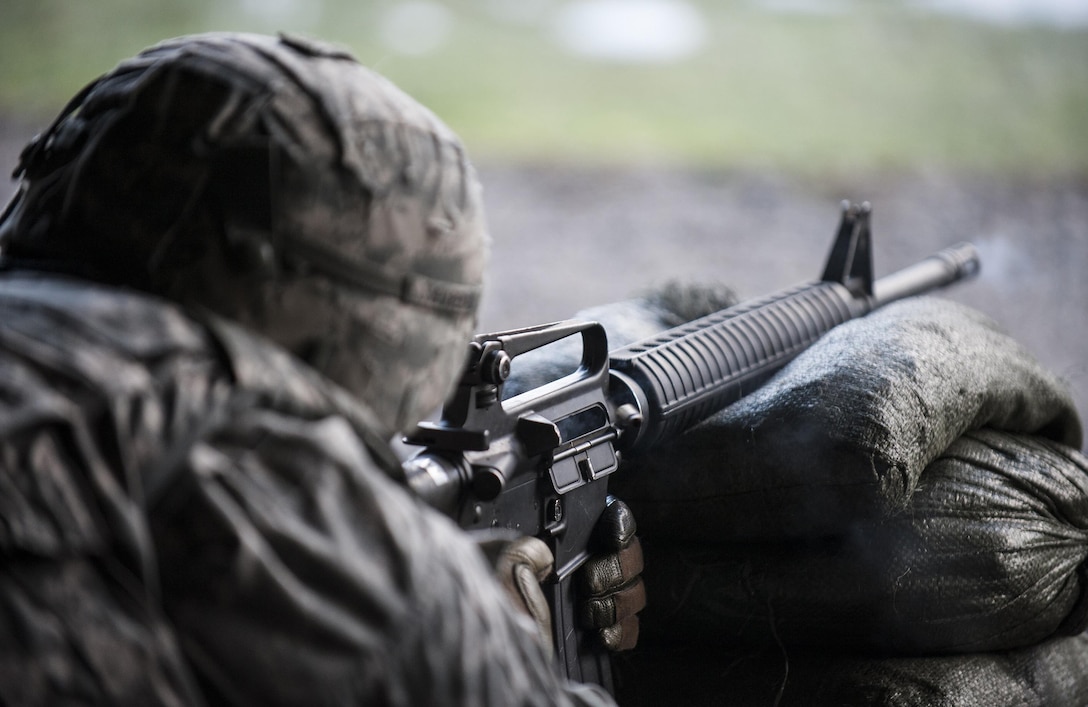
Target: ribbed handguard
{"points": [[689, 372]]}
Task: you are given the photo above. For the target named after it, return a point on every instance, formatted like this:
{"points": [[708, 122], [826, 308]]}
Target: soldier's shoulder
{"points": [[60, 311]]}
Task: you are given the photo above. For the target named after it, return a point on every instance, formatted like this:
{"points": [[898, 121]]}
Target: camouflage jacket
{"points": [[188, 515]]}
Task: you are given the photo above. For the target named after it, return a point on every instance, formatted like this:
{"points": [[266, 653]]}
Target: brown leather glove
{"points": [[611, 579]]}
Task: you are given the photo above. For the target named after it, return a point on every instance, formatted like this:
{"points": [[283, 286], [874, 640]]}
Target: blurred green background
{"points": [[809, 86]]}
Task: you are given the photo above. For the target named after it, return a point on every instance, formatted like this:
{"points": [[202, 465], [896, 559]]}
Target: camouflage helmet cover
{"points": [[277, 182]]}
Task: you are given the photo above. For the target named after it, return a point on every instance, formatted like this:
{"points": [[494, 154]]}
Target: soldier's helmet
{"points": [[276, 182]]}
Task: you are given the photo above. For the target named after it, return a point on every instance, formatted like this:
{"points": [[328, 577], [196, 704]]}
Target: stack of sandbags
{"points": [[973, 595]]}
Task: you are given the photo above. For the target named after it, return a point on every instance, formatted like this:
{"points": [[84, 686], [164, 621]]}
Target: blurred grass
{"points": [[880, 88]]}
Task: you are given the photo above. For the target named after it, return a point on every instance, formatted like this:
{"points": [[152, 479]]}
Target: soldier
{"points": [[235, 266]]}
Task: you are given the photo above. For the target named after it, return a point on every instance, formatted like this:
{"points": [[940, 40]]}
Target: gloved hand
{"points": [[521, 565], [610, 581]]}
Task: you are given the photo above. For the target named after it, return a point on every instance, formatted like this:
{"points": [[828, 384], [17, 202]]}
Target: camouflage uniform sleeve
{"points": [[78, 622], [295, 571]]}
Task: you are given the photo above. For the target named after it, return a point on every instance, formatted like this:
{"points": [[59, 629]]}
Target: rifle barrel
{"points": [[938, 270]]}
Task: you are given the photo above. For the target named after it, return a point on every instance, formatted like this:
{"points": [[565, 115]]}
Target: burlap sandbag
{"points": [[1052, 674], [988, 555]]}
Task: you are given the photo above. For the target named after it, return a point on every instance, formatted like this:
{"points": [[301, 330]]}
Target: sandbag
{"points": [[1052, 674], [989, 555]]}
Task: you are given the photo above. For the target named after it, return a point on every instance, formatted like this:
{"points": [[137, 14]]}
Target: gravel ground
{"points": [[570, 237]]}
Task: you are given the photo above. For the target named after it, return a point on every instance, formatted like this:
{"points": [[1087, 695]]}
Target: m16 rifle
{"points": [[538, 463]]}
